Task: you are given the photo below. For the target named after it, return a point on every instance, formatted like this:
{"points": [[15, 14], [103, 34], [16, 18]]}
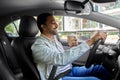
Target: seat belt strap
{"points": [[62, 74], [52, 73]]}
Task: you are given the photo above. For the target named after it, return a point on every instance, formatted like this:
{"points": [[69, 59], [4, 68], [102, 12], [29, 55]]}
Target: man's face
{"points": [[51, 25]]}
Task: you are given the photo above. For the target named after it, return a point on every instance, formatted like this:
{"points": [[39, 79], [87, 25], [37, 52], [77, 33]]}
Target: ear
{"points": [[42, 26]]}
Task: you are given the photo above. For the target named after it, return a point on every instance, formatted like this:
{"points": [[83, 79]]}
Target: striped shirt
{"points": [[47, 53]]}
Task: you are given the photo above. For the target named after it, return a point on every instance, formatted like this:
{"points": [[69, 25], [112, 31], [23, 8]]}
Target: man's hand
{"points": [[99, 35], [72, 40]]}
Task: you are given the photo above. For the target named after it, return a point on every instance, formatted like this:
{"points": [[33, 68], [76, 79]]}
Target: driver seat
{"points": [[22, 47]]}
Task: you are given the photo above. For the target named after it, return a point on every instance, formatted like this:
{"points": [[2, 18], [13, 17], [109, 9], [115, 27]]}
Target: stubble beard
{"points": [[54, 32]]}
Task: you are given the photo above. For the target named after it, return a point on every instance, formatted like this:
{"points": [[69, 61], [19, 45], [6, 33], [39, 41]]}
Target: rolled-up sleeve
{"points": [[43, 53]]}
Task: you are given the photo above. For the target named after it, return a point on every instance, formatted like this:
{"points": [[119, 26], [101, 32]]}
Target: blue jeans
{"points": [[82, 73]]}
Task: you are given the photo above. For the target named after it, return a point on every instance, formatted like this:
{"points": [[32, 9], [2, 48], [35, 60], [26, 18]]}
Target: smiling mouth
{"points": [[55, 28]]}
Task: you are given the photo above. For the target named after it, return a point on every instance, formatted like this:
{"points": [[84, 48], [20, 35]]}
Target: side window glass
{"points": [[12, 28]]}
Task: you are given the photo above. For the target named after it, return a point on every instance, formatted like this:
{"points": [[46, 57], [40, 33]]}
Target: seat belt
{"points": [[52, 73], [61, 75]]}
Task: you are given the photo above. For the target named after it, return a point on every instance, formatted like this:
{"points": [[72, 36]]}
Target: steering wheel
{"points": [[92, 53]]}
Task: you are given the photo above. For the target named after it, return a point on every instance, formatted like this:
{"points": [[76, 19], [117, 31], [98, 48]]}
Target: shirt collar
{"points": [[44, 36]]}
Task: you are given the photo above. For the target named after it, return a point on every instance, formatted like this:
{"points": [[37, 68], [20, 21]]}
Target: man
{"points": [[48, 51]]}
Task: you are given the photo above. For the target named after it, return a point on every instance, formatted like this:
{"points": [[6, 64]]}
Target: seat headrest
{"points": [[28, 27]]}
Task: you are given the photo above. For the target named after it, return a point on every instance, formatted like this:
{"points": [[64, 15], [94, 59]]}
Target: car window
{"points": [[12, 28], [112, 9], [84, 29]]}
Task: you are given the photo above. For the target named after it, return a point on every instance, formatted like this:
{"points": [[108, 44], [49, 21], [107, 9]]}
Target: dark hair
{"points": [[41, 19]]}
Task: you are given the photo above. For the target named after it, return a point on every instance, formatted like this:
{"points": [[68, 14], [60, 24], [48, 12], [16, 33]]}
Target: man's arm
{"points": [[45, 54]]}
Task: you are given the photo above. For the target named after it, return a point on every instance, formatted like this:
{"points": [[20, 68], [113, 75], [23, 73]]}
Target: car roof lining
{"points": [[34, 7], [19, 6], [18, 9], [24, 5]]}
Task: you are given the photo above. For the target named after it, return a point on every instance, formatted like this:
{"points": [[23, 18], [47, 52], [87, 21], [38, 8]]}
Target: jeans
{"points": [[97, 72]]}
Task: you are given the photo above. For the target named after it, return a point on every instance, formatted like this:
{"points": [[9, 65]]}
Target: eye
{"points": [[53, 22]]}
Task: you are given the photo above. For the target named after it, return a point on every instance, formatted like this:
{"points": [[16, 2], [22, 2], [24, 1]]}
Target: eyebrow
{"points": [[53, 20]]}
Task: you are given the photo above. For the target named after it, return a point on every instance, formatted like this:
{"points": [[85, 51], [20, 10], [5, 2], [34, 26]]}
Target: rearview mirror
{"points": [[77, 7], [73, 6]]}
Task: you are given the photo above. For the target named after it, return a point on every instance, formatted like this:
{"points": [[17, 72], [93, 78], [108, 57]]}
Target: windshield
{"points": [[84, 28], [112, 9]]}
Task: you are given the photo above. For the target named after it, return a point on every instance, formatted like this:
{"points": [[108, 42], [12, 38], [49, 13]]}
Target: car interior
{"points": [[16, 61]]}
